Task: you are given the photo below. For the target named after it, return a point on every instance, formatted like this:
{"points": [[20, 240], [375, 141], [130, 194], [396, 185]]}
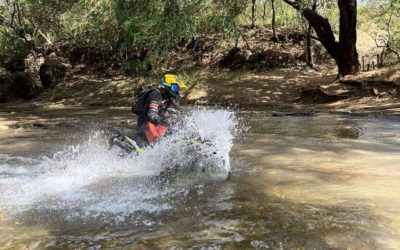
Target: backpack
{"points": [[139, 106]]}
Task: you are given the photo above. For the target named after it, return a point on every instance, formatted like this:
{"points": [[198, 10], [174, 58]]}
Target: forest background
{"points": [[42, 42]]}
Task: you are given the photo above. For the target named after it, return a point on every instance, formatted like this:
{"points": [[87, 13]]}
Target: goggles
{"points": [[175, 88]]}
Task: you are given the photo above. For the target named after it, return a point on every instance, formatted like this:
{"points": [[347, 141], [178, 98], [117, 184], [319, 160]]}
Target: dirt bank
{"points": [[278, 92], [273, 89]]}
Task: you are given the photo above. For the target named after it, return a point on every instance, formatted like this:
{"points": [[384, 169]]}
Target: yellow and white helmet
{"points": [[173, 83]]}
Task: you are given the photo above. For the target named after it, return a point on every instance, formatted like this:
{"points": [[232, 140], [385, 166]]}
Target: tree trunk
{"points": [[254, 14], [323, 29], [343, 52], [309, 51], [264, 9], [348, 56], [275, 38]]}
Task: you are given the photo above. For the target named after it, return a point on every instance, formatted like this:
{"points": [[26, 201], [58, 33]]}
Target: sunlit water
{"points": [[318, 182]]}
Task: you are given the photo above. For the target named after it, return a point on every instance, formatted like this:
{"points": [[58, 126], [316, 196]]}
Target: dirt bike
{"points": [[131, 141], [128, 140], [189, 153]]}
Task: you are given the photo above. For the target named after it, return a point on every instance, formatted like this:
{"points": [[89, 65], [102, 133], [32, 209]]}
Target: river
{"points": [[317, 182]]}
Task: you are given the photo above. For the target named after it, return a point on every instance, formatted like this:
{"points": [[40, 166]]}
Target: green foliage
{"points": [[381, 19], [140, 33], [289, 18], [11, 47], [286, 16], [24, 24], [92, 23], [134, 67], [125, 26], [120, 27]]}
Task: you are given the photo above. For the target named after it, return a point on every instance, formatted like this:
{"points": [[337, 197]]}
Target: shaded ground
{"points": [[242, 87], [277, 91], [255, 89], [71, 98], [274, 89]]}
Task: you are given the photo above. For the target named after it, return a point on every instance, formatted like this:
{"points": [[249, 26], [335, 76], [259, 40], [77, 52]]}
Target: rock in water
{"points": [[51, 72], [233, 59], [3, 88], [24, 85], [15, 65], [317, 95]]}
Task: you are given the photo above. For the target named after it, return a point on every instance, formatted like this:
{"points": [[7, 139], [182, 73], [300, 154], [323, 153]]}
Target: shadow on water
{"points": [[186, 207], [230, 214], [247, 219], [328, 190], [88, 195], [269, 221], [311, 133], [297, 183]]}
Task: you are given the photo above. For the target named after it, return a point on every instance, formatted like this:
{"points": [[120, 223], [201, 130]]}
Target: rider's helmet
{"points": [[172, 85]]}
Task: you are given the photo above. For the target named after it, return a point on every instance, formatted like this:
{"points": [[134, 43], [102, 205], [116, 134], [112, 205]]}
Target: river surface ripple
{"points": [[317, 182]]}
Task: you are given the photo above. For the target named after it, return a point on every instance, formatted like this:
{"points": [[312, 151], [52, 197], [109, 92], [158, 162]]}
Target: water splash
{"points": [[90, 181]]}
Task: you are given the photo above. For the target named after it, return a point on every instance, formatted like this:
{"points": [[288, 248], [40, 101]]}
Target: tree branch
{"points": [[18, 14], [19, 31], [321, 26], [247, 44], [13, 14], [37, 29], [7, 23], [294, 3], [390, 49], [315, 38]]}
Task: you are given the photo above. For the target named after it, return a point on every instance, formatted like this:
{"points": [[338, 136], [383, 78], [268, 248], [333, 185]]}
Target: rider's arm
{"points": [[155, 103]]}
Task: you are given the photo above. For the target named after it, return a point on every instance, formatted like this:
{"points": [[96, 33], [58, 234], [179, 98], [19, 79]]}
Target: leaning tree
{"points": [[344, 51]]}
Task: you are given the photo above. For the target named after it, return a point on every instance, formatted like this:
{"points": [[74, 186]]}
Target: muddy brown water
{"points": [[315, 182]]}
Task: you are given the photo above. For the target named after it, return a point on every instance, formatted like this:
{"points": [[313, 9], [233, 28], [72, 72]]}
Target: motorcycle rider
{"points": [[151, 106]]}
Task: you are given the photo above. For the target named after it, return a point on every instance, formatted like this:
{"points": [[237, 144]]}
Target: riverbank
{"points": [[281, 88], [256, 74], [275, 92]]}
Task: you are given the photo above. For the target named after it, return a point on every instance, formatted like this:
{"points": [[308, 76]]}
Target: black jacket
{"points": [[154, 108]]}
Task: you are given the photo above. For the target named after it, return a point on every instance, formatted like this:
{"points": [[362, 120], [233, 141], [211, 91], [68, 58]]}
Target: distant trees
{"points": [[26, 25], [264, 14], [253, 13], [383, 20], [264, 7], [16, 35], [273, 22], [309, 50], [119, 27], [152, 28]]}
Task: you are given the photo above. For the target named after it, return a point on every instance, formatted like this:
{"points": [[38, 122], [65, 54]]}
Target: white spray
{"points": [[89, 180]]}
